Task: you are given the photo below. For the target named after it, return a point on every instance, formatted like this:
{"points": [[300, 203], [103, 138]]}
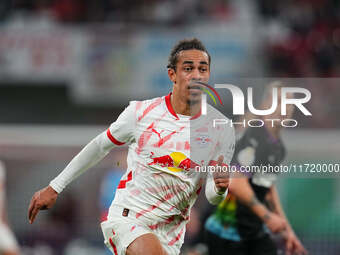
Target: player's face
{"points": [[192, 65]]}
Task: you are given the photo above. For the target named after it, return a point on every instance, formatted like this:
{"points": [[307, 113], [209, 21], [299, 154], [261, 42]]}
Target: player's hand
{"points": [[42, 200], [274, 222], [293, 244], [221, 178]]}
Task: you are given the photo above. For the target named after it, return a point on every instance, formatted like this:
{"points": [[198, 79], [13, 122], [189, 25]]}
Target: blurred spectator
{"points": [[312, 47], [304, 43], [8, 244], [69, 10], [158, 12]]}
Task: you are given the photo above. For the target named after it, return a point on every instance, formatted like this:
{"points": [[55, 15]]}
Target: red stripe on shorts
{"points": [[113, 246]]}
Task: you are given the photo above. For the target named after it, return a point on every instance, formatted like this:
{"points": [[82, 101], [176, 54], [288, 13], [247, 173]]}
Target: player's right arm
{"points": [[242, 190], [119, 133], [293, 244]]}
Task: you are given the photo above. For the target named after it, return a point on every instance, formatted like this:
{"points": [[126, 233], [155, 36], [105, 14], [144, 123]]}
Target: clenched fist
{"points": [[221, 176]]}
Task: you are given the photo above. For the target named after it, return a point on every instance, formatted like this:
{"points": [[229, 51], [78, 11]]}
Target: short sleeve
{"points": [[122, 130]]}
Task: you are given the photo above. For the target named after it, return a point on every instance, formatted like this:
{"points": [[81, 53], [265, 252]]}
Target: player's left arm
{"points": [[293, 244], [216, 188], [120, 132], [218, 181]]}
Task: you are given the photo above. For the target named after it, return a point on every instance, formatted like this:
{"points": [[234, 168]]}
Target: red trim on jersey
{"points": [[122, 183], [169, 106], [172, 111], [114, 140], [113, 246], [197, 115], [104, 215]]}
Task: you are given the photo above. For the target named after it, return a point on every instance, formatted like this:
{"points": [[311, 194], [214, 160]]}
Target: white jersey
{"points": [[163, 178], [165, 154]]}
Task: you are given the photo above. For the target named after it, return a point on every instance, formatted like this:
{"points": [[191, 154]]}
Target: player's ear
{"points": [[172, 75]]}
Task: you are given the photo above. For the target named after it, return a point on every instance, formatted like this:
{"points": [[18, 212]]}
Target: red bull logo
{"points": [[175, 162]]}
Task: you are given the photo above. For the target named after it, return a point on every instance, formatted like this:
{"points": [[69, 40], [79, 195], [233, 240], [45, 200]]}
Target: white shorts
{"points": [[120, 231], [7, 239]]}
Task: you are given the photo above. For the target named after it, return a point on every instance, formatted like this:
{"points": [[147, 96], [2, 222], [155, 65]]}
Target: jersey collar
{"points": [[172, 111]]}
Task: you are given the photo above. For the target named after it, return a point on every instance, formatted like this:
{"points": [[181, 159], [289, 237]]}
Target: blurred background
{"points": [[69, 67]]}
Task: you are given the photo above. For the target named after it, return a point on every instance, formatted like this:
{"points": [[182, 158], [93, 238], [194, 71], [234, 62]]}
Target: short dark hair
{"points": [[186, 44]]}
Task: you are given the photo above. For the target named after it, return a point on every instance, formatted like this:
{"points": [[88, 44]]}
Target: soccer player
{"points": [[237, 225], [8, 244], [154, 197]]}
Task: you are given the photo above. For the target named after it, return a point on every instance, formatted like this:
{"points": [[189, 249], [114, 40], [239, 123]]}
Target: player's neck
{"points": [[184, 108]]}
